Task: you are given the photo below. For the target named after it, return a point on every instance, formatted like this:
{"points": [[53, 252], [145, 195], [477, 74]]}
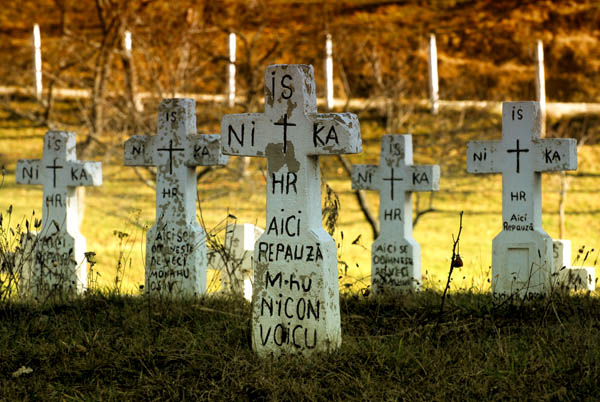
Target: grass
{"points": [[110, 347], [124, 205]]}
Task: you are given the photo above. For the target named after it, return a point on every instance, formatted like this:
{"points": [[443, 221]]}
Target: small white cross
{"points": [[522, 262], [395, 255], [59, 260], [176, 243]]}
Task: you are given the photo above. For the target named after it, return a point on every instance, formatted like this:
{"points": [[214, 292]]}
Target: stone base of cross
{"points": [[522, 267], [522, 260], [568, 276], [235, 259], [395, 254], [176, 243], [59, 265]]}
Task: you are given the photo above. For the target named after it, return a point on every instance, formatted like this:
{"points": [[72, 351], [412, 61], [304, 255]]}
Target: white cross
{"points": [[59, 260], [236, 263], [295, 259], [569, 276], [176, 243], [395, 255], [522, 262]]}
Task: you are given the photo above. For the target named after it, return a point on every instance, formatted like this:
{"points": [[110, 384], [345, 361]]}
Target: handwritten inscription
{"points": [[392, 265], [292, 303], [168, 257]]}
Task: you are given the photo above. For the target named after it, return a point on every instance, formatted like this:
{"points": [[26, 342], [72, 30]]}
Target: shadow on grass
{"points": [[105, 346]]}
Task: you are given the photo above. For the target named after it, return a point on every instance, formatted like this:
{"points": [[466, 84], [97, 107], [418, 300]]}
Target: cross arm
{"points": [[555, 154], [424, 178], [205, 150], [139, 150], [243, 134], [336, 133], [84, 174], [29, 171], [482, 157], [364, 177]]}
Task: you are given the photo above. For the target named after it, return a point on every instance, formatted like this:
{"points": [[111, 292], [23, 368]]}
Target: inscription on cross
{"points": [[295, 295], [176, 243], [59, 263], [395, 255], [522, 261]]}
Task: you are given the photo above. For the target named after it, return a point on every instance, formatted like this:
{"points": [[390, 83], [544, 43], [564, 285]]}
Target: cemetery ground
{"points": [[110, 345]]}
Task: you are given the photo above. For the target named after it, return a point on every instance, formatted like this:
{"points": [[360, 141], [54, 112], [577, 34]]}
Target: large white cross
{"points": [[295, 295], [522, 261], [59, 248], [395, 255], [176, 243]]}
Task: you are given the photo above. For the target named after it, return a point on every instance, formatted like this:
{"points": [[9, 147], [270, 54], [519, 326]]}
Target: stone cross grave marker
{"points": [[572, 277], [395, 255], [295, 295], [522, 260], [59, 264], [236, 266], [176, 243]]}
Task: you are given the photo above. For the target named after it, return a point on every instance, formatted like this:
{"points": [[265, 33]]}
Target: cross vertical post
{"points": [[522, 261], [395, 255], [176, 243], [295, 259]]}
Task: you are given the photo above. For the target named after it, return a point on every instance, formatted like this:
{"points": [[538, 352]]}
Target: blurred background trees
{"points": [[486, 52]]}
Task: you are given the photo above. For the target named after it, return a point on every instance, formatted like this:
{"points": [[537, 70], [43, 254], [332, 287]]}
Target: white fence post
{"points": [[540, 85], [231, 85], [434, 89], [138, 104], [37, 61], [329, 70], [127, 42]]}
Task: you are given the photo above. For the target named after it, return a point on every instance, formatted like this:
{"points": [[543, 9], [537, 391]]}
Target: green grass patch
{"points": [[109, 347]]}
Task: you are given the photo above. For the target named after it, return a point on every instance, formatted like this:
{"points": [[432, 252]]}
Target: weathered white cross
{"points": [[295, 295], [522, 262], [395, 255], [176, 243], [59, 249]]}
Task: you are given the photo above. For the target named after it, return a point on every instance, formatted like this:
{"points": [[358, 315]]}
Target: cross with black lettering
{"points": [[522, 245], [290, 101], [395, 212], [176, 243], [294, 198], [176, 150], [58, 171], [396, 165]]}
